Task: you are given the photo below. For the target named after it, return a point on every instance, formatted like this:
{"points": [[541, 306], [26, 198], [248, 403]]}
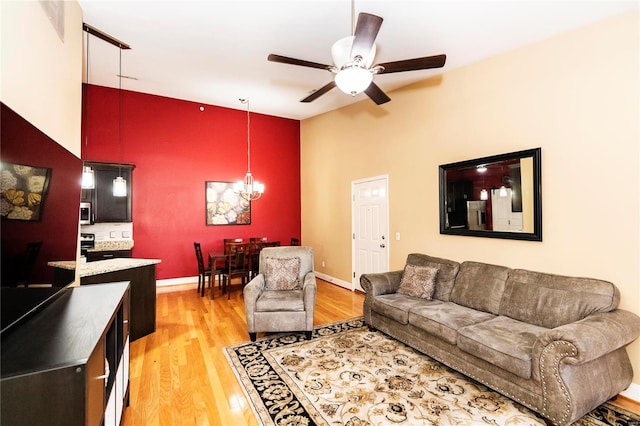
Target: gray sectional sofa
{"points": [[553, 343]]}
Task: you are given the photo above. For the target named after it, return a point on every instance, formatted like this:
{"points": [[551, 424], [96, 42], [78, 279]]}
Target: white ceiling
{"points": [[214, 52]]}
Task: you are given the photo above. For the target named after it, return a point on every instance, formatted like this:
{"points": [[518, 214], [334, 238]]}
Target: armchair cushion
{"points": [[282, 273], [282, 300]]}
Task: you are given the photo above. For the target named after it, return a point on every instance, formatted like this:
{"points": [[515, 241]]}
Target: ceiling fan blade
{"points": [[376, 94], [292, 61], [424, 63], [321, 91], [365, 35]]}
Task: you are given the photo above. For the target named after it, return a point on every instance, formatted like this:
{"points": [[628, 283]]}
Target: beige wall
{"points": [[574, 95], [41, 74]]}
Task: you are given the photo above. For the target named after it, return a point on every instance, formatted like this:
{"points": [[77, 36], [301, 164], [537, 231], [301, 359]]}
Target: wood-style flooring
{"points": [[179, 375]]}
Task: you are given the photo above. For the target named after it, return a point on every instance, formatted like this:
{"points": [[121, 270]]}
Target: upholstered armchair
{"points": [[282, 296]]}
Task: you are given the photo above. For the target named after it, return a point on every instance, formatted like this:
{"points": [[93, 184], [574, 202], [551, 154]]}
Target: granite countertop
{"points": [[88, 269], [112, 245]]}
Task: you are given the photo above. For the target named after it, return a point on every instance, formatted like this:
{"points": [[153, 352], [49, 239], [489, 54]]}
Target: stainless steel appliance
{"points": [[86, 214], [477, 215], [87, 241]]}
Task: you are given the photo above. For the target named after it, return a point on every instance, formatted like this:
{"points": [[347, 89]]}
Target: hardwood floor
{"points": [[179, 374]]}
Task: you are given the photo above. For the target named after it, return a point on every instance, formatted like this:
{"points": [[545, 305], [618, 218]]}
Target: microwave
{"points": [[86, 217]]}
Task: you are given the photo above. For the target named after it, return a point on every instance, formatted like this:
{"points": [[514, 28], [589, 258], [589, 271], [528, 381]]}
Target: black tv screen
{"points": [[39, 203]]}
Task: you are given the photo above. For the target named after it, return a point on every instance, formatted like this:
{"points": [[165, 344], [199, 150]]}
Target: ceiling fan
{"points": [[352, 58]]}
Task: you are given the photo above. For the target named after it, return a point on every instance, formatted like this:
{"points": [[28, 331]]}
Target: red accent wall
{"points": [[176, 148], [23, 143]]}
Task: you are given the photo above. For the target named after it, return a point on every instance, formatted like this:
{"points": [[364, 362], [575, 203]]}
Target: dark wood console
{"points": [[143, 296], [68, 364]]}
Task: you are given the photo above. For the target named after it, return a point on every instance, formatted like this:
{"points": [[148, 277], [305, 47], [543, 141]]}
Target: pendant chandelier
{"points": [[248, 188], [88, 177], [119, 183]]}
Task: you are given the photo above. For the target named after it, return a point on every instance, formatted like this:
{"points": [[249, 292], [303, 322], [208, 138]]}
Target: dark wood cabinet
{"points": [[106, 207], [458, 193], [143, 296], [68, 364]]}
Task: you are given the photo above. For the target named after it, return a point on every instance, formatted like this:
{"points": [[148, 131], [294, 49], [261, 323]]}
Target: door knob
{"points": [[382, 246]]}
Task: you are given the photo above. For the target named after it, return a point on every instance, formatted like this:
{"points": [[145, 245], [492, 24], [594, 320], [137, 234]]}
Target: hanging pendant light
{"points": [[484, 194], [88, 177], [119, 183], [248, 188]]}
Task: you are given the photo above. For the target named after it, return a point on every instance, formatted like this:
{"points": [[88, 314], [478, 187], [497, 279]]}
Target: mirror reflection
{"points": [[497, 196]]}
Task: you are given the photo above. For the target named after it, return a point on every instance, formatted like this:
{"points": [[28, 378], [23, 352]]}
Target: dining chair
{"points": [[203, 272], [230, 244], [255, 246], [236, 266]]}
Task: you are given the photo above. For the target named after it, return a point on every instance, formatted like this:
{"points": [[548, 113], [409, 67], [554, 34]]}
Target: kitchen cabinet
{"points": [[142, 278], [106, 207], [458, 193], [68, 364]]}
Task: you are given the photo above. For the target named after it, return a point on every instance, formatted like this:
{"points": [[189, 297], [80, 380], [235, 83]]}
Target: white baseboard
{"points": [[177, 281], [632, 392], [334, 280]]}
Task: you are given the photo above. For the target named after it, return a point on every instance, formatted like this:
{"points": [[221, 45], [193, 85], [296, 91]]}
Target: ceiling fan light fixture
{"points": [[341, 53], [353, 79]]}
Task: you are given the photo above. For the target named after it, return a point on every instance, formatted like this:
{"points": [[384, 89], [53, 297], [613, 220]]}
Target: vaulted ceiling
{"points": [[214, 52]]}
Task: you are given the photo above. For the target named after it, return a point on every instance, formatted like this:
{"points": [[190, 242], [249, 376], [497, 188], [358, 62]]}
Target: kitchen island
{"points": [[141, 273]]}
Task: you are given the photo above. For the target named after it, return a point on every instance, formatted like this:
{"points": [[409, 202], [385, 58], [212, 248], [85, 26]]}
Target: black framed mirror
{"points": [[495, 197]]}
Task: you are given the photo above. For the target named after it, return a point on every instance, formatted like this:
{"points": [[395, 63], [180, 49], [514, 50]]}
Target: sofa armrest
{"points": [[381, 283], [251, 292], [309, 290], [567, 358], [376, 284], [592, 337]]}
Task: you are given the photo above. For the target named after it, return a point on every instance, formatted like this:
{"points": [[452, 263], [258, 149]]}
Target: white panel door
{"points": [[370, 228], [500, 210], [504, 219]]}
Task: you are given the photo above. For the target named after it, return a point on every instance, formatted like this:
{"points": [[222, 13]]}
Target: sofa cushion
{"points": [[447, 271], [502, 341], [444, 319], [280, 300], [282, 273], [418, 281], [480, 286], [550, 300], [397, 306]]}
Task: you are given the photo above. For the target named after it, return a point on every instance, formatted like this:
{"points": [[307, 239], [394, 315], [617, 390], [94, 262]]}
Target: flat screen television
{"points": [[39, 200]]}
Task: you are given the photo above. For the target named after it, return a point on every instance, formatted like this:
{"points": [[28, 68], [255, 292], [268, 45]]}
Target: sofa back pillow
{"points": [[550, 300], [418, 281], [480, 286], [447, 271]]}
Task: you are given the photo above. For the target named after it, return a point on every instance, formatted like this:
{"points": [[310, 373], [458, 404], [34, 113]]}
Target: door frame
{"points": [[354, 219]]}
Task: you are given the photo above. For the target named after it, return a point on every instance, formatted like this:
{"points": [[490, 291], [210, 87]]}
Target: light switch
{"points": [[397, 236]]}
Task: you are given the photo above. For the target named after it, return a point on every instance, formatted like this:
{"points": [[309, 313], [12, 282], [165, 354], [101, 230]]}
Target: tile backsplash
{"points": [[110, 231]]}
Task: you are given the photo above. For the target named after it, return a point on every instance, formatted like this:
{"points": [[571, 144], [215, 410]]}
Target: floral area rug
{"points": [[348, 375]]}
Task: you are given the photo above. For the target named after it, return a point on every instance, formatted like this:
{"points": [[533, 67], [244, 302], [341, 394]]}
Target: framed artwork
{"points": [[23, 190], [224, 206]]}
